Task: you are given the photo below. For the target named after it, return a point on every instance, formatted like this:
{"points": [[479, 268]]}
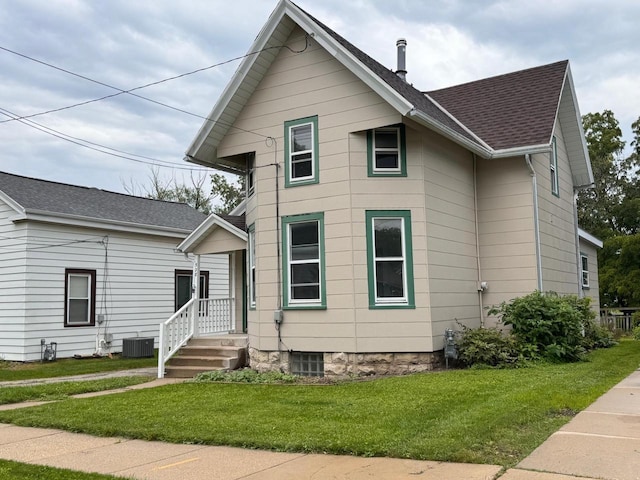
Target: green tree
{"points": [[597, 206], [611, 210], [230, 194], [619, 271], [171, 190]]}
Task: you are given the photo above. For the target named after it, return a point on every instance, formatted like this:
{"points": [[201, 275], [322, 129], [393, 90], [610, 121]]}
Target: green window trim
{"points": [[401, 170], [553, 168], [289, 156], [288, 302], [408, 299], [251, 266]]}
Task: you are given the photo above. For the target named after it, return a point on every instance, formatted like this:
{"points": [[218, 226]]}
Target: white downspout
{"points": [[577, 235], [195, 293], [536, 220], [232, 293], [475, 208]]}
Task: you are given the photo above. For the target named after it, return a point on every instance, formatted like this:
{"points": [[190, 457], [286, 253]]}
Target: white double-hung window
{"points": [[386, 152], [390, 259], [301, 151], [303, 261], [80, 294]]}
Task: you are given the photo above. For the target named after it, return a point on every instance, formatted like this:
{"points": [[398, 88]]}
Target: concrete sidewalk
{"points": [[601, 442]]}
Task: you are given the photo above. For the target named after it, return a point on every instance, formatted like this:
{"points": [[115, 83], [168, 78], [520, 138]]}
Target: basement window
{"points": [[307, 364]]}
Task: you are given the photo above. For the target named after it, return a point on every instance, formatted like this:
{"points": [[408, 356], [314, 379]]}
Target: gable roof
{"points": [[511, 110], [33, 198], [501, 116], [234, 225]]}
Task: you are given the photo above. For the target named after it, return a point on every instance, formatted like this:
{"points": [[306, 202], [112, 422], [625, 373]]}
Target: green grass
{"points": [[482, 416], [23, 471], [61, 390], [69, 366]]}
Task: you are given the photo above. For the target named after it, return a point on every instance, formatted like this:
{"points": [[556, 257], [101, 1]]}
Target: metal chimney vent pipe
{"points": [[402, 63]]}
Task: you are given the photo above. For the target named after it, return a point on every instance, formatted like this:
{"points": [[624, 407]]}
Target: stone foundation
{"points": [[338, 364]]}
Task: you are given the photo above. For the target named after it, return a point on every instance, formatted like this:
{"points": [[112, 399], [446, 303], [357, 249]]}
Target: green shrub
{"points": [[246, 375], [636, 333], [487, 346], [597, 336], [550, 324], [635, 319]]}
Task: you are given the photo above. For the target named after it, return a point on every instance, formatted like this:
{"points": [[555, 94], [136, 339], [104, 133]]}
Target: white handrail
{"points": [[174, 333]]}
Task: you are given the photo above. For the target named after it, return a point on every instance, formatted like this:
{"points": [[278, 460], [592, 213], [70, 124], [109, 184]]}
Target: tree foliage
{"points": [[195, 192], [611, 209], [229, 194]]}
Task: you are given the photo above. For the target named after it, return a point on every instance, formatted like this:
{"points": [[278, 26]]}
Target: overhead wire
{"points": [[78, 141], [129, 91], [121, 154]]}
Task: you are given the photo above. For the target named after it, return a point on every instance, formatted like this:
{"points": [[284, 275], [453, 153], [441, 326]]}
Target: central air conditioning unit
{"points": [[137, 347]]}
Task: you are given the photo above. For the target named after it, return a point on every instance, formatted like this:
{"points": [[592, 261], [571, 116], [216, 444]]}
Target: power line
{"points": [[87, 144], [121, 91]]}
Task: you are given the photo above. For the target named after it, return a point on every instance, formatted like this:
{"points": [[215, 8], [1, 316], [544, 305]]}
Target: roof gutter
{"points": [[536, 219], [427, 121], [81, 221]]}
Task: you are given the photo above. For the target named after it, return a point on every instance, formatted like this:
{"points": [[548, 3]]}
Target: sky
{"points": [[131, 43]]}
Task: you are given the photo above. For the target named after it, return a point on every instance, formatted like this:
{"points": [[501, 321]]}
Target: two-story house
{"points": [[378, 215]]}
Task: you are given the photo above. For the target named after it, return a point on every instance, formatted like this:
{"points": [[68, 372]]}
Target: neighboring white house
{"points": [[81, 266]]}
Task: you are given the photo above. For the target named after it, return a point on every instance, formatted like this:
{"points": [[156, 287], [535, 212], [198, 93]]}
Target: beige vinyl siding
{"points": [[140, 287], [557, 225], [593, 292], [222, 241], [309, 84], [12, 282], [451, 235], [506, 229]]}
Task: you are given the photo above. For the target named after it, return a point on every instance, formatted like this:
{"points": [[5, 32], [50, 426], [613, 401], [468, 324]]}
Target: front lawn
{"points": [[482, 416], [70, 366], [61, 390], [24, 471]]}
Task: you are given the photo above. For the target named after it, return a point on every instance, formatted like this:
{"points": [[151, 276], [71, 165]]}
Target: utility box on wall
{"points": [[137, 347]]}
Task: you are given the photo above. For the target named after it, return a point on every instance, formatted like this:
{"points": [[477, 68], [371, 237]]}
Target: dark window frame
{"points": [[182, 272], [92, 298]]}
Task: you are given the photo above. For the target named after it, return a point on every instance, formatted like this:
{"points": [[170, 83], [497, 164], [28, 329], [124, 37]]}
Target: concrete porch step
{"points": [[231, 340], [213, 362], [203, 354]]}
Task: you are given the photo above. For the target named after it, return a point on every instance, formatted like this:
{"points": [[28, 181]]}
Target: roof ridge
{"points": [[495, 77]]}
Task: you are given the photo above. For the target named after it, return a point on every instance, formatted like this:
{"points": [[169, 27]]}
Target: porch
{"points": [[220, 319], [202, 318]]}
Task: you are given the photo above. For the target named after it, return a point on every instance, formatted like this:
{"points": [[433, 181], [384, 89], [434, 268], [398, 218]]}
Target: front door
{"points": [[183, 287]]}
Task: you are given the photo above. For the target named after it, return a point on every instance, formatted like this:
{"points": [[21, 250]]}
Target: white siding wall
{"points": [[557, 226], [12, 282], [135, 287]]}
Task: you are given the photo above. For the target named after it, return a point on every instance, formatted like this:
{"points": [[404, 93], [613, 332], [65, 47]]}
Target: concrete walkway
{"points": [[602, 442]]}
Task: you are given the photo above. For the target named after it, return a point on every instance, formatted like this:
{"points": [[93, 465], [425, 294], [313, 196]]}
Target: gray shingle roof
{"points": [[512, 110], [60, 198]]}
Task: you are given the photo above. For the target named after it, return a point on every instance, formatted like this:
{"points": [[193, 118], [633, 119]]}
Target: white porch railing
{"points": [[214, 315]]}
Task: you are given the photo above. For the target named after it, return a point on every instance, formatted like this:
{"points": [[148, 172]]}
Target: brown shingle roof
{"points": [[237, 221], [512, 110]]}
